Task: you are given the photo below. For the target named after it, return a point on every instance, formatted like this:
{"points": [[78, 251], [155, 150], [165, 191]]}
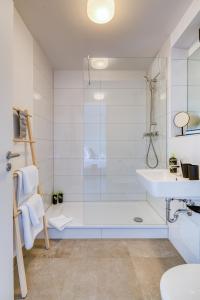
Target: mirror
{"points": [[193, 101], [181, 120]]}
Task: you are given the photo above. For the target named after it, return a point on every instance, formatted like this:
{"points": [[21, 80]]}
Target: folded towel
{"points": [[36, 209], [59, 222], [22, 124], [30, 232], [16, 124], [27, 184]]}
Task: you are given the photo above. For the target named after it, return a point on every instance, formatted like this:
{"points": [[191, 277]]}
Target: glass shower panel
{"points": [[115, 120]]}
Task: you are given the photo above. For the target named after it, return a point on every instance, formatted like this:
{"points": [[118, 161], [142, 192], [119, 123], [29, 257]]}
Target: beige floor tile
{"points": [[101, 279], [98, 269], [45, 278], [93, 249], [149, 272], [39, 249], [151, 248]]}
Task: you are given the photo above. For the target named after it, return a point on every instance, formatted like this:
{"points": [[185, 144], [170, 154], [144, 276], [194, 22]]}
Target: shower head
{"points": [[147, 78], [154, 79]]}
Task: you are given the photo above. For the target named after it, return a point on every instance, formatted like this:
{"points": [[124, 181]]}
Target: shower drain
{"points": [[138, 219]]}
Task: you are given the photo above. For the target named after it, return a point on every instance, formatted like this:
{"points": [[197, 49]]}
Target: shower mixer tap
{"points": [[151, 134]]}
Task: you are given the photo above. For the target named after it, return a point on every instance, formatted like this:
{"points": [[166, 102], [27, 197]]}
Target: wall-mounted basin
{"points": [[161, 183]]}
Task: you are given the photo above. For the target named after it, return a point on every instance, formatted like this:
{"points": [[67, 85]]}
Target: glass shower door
{"points": [[115, 120]]}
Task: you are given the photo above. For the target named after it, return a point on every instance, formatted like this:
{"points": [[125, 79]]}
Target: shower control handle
{"points": [[151, 134]]}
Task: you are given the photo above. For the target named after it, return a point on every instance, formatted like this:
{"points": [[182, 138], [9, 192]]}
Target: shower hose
{"points": [[151, 146]]}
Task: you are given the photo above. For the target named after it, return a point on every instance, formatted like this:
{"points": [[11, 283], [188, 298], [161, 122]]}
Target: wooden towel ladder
{"points": [[17, 212]]}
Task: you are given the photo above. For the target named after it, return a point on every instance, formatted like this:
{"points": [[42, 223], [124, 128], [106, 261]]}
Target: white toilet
{"points": [[181, 283]]}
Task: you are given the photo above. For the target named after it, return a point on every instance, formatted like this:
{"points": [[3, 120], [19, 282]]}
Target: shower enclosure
{"points": [[111, 124], [124, 130]]}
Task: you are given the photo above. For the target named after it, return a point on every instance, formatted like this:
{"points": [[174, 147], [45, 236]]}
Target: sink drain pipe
{"points": [[174, 218]]}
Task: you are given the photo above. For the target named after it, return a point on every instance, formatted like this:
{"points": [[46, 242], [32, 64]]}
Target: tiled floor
{"points": [[98, 269]]}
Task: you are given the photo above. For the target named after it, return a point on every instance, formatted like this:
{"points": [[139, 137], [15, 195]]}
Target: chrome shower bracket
{"points": [[89, 75], [174, 218]]}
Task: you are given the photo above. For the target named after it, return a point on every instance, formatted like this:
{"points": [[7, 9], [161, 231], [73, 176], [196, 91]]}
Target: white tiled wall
{"points": [[178, 86], [33, 90], [43, 119], [159, 66], [23, 80], [185, 233], [99, 144], [159, 103]]}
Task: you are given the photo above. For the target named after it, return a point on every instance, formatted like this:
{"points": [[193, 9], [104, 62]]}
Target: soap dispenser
{"points": [[173, 164]]}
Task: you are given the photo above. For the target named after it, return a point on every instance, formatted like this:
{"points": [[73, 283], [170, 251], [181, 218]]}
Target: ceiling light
{"points": [[99, 96], [99, 63], [101, 11]]}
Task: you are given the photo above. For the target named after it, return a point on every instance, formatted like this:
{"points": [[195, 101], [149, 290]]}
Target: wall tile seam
{"points": [[97, 88], [100, 123]]}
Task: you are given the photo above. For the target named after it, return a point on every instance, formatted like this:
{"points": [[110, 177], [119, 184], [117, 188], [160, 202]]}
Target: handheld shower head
{"points": [[154, 79], [152, 133]]}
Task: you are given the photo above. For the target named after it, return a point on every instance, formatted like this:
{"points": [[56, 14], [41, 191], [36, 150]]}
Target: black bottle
{"points": [[60, 197], [55, 199], [173, 164]]}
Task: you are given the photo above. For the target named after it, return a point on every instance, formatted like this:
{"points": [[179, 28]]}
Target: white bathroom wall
{"points": [[43, 119], [178, 86], [99, 144], [33, 90], [185, 233], [68, 134], [23, 80], [159, 105]]}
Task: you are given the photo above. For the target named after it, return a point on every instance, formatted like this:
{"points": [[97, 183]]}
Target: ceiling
{"points": [[65, 33]]}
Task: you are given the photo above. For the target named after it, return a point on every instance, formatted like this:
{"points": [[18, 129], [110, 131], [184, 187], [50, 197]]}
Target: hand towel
{"points": [[24, 177], [30, 180], [30, 232], [59, 222], [36, 209]]}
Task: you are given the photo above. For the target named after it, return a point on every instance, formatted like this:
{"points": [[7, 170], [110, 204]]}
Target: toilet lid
{"points": [[181, 283]]}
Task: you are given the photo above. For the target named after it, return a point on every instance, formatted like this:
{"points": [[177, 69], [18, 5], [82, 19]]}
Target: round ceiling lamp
{"points": [[101, 11]]}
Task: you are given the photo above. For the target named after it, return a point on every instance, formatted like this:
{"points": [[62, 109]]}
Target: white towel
{"points": [[20, 192], [30, 179], [36, 209], [30, 232], [27, 184], [59, 222]]}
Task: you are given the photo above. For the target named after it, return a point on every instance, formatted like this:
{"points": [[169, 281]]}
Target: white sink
{"points": [[161, 183]]}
